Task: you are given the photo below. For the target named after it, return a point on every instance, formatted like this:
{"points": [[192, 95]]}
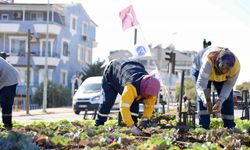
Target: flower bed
{"points": [[164, 134]]}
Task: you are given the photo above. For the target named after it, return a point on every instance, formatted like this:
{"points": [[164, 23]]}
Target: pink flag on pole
{"points": [[128, 18]]}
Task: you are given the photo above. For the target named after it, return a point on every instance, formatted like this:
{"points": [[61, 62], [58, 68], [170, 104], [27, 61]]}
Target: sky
{"points": [[184, 23]]}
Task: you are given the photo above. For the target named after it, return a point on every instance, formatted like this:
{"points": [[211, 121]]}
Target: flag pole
{"points": [[119, 115], [135, 36]]}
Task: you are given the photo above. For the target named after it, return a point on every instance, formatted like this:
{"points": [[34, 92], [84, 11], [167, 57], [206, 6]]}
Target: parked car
{"points": [[88, 95], [237, 97]]}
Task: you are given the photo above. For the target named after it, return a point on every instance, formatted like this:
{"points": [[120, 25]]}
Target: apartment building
{"points": [[71, 38], [183, 61]]}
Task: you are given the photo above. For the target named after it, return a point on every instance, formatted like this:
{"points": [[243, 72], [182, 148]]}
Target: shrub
{"points": [[57, 95]]}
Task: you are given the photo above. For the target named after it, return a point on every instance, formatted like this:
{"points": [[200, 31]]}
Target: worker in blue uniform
{"points": [[220, 67], [9, 78], [130, 79]]}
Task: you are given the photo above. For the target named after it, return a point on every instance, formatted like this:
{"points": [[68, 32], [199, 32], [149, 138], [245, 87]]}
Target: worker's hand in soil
{"points": [[217, 106], [136, 131], [145, 123]]}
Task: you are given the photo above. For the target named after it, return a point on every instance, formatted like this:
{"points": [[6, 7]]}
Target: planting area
{"points": [[164, 134]]}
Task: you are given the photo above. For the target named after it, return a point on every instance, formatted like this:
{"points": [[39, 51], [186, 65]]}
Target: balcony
{"points": [[37, 60], [53, 59], [14, 27], [40, 61], [17, 18], [53, 28], [9, 27]]}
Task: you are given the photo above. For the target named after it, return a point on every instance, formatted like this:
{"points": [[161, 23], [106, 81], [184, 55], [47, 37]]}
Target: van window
{"points": [[90, 88]]}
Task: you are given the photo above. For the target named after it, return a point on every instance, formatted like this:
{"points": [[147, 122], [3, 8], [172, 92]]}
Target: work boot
{"points": [[7, 127]]}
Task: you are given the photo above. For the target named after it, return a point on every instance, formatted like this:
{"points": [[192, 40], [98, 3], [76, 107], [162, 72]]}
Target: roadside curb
{"points": [[22, 113]]}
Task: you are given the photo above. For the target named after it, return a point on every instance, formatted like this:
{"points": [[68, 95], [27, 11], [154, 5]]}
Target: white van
{"points": [[88, 95]]}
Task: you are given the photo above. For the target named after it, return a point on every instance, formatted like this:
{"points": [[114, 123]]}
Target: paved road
{"points": [[51, 114], [55, 114]]}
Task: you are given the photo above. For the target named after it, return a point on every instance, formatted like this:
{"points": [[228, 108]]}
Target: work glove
{"points": [[136, 131], [217, 106], [145, 123]]}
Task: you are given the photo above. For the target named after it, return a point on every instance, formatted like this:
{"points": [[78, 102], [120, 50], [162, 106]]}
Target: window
{"points": [[187, 73], [88, 56], [42, 75], [4, 17], [17, 15], [80, 53], [37, 16], [43, 47], [84, 29], [73, 24], [23, 75], [63, 78], [18, 46], [65, 48]]}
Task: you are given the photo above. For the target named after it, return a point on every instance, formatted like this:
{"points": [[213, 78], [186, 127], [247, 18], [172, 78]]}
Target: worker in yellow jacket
{"points": [[130, 79], [221, 67]]}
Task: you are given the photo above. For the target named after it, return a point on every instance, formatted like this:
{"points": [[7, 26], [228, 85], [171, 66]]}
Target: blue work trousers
{"points": [[109, 96], [227, 111], [7, 95]]}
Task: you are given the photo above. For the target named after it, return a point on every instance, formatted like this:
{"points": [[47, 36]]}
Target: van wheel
{"points": [[77, 112]]}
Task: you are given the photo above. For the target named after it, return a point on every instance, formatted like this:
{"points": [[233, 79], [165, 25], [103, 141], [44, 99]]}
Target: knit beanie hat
{"points": [[225, 59], [150, 86]]}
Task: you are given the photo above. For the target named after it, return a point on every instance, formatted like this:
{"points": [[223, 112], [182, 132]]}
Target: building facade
{"points": [[183, 62], [71, 38]]}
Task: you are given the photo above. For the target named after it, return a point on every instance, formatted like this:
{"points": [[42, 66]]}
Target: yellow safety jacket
{"points": [[223, 77], [128, 96]]}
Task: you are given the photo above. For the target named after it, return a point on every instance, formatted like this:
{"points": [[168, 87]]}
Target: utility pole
{"points": [[135, 37], [45, 84], [28, 74]]}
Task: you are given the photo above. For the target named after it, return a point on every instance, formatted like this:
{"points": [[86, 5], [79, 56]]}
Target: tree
{"points": [[243, 86], [94, 69], [189, 90]]}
